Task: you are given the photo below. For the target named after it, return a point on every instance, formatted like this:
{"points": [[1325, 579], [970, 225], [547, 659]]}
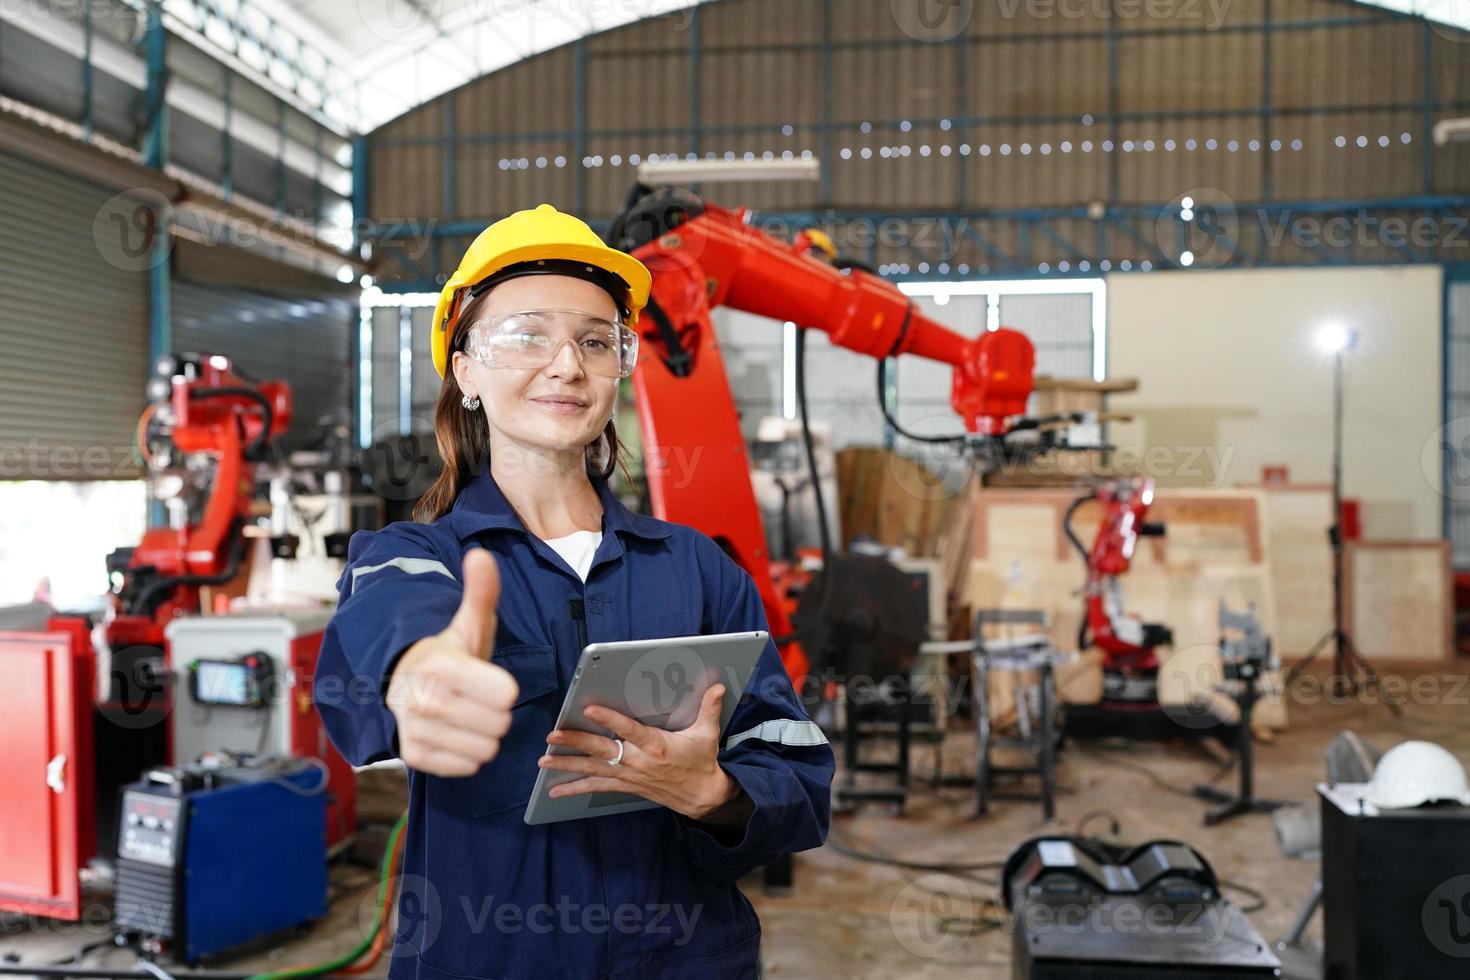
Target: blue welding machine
{"points": [[218, 856]]}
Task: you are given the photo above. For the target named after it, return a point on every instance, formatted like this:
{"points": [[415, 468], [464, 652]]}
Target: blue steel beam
{"points": [[1156, 230], [87, 70]]}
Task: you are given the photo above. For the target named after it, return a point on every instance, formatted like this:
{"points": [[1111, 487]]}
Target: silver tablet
{"points": [[659, 682]]}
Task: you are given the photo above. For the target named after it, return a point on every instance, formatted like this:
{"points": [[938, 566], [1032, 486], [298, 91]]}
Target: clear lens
{"points": [[532, 339]]}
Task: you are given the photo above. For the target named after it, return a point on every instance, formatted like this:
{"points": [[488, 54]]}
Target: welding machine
{"points": [[1086, 910], [219, 855], [243, 684]]}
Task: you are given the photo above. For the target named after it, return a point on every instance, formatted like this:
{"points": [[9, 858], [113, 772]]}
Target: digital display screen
{"points": [[220, 682]]}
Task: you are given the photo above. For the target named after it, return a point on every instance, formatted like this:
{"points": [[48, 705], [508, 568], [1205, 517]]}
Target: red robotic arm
{"points": [[1129, 645], [703, 256], [200, 411]]}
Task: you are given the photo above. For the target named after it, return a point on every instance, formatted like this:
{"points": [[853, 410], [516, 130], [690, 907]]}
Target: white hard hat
{"points": [[1416, 773]]}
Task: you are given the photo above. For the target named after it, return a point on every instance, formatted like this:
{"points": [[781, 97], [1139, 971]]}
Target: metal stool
{"points": [[1023, 646]]}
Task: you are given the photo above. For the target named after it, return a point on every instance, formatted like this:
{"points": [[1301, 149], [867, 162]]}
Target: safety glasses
{"points": [[532, 339]]}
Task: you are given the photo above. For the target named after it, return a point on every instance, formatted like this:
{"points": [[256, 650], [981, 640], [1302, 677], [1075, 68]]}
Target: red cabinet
{"points": [[47, 832]]}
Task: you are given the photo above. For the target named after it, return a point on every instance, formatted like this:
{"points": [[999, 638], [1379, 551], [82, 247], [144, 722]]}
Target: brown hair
{"points": [[464, 437]]}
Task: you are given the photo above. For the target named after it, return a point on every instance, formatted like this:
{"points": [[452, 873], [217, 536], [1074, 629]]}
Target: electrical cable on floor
{"points": [[1259, 902], [1153, 776], [949, 867], [990, 914], [1114, 824], [80, 954]]}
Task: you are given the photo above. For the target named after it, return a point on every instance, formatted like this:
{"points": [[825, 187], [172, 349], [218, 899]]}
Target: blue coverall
{"points": [[644, 894]]}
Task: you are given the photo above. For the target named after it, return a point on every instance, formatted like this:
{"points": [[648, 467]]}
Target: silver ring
{"points": [[619, 760]]}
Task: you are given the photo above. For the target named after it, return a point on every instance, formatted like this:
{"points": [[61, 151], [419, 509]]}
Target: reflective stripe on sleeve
{"points": [[781, 731], [412, 566]]}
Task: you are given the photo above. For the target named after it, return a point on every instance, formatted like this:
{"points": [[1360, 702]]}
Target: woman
{"points": [[456, 638]]}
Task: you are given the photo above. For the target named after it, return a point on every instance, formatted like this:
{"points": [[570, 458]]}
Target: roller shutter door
{"points": [[73, 327]]}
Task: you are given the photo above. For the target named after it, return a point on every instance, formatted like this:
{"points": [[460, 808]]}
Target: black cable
{"points": [[252, 451], [139, 604], [887, 417], [80, 954], [844, 264], [1067, 524], [950, 867], [811, 455], [1260, 900], [1152, 776], [1083, 641], [977, 922], [1115, 827]]}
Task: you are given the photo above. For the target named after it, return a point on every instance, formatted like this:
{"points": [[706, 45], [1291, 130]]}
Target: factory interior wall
{"points": [[1232, 379]]}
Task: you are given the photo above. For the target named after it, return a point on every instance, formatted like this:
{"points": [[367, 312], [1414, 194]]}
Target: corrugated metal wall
{"points": [[305, 341], [1256, 99], [73, 326], [39, 74]]}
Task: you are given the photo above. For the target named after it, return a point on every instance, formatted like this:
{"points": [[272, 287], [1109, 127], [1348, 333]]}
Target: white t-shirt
{"points": [[577, 550]]}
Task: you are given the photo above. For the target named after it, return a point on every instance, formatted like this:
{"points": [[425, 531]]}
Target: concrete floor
{"points": [[856, 919]]}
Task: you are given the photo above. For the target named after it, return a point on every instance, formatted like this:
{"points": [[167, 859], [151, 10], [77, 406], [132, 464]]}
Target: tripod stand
{"points": [[1351, 671]]}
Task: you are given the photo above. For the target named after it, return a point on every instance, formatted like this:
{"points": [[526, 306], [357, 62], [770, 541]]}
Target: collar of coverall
{"points": [[481, 506]]}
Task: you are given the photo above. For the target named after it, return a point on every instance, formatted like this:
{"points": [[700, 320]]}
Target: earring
{"points": [[471, 402]]}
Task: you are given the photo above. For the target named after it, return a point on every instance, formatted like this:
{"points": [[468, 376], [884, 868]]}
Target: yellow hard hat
{"points": [[541, 233]]}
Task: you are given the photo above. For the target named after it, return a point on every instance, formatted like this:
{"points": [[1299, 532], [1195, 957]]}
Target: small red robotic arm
{"points": [[1125, 504], [200, 408], [1128, 643]]}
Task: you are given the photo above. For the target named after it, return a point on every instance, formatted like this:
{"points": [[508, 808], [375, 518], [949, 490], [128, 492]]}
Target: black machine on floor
{"points": [[861, 620], [216, 857], [1395, 889], [1083, 909]]}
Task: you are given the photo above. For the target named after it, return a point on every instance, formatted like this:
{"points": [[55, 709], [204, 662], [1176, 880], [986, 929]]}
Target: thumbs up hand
{"points": [[451, 702]]}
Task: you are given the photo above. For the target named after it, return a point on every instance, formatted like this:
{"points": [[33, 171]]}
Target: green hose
{"points": [[379, 921]]}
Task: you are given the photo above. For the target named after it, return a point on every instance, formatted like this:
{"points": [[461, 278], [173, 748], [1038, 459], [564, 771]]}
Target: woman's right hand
{"points": [[452, 704]]}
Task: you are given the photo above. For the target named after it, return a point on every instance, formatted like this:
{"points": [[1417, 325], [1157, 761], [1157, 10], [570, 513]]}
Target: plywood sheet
{"points": [[1296, 522], [1398, 599]]}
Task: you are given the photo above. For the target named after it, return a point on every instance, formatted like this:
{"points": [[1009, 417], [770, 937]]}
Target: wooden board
{"points": [[1398, 599], [1296, 519]]}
